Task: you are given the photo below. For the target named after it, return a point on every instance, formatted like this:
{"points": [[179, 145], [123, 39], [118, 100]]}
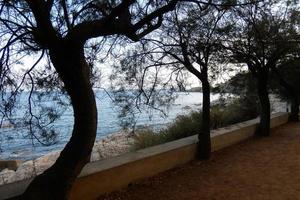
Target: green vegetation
{"points": [[237, 110], [222, 114]]}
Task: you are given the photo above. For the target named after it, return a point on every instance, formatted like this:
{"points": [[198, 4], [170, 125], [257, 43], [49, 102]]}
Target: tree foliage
{"points": [[263, 36], [61, 30], [66, 37]]}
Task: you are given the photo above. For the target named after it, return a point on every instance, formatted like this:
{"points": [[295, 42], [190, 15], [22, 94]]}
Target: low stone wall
{"points": [[114, 173]]}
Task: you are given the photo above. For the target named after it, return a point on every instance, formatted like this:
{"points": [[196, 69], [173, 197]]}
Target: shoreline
{"points": [[112, 145]]}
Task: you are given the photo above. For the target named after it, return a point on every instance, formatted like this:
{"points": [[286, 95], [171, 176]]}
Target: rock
{"points": [[95, 156], [7, 176], [44, 162], [10, 164], [7, 124], [25, 171], [112, 145]]}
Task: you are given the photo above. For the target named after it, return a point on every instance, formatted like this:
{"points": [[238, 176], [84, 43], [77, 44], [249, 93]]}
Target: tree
{"points": [[62, 29], [192, 43], [243, 86], [262, 37], [189, 40], [285, 84]]}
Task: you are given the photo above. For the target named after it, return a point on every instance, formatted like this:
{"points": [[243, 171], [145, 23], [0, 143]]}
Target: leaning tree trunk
{"points": [[294, 115], [204, 146], [262, 91], [56, 182]]}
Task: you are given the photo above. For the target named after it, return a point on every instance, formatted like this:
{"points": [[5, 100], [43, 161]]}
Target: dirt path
{"points": [[258, 169]]}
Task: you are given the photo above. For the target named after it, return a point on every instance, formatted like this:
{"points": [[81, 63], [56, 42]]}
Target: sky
{"points": [[106, 71]]}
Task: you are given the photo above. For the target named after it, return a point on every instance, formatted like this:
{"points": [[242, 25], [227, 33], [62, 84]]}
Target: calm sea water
{"points": [[14, 144]]}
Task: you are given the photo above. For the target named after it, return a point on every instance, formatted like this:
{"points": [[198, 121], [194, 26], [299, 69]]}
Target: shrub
{"points": [[237, 110], [146, 138], [183, 126]]}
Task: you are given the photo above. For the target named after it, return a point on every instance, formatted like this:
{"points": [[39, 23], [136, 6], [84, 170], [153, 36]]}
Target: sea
{"points": [[15, 143]]}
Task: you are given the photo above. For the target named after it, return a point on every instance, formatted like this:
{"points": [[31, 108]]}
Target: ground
{"points": [[257, 169]]}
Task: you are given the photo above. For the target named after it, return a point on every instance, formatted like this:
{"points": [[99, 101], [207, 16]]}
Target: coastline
{"points": [[112, 145]]}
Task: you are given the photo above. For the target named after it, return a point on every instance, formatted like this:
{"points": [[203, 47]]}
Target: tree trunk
{"points": [[294, 115], [56, 182], [204, 146], [262, 90]]}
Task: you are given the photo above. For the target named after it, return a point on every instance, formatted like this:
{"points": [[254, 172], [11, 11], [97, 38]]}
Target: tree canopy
{"points": [[67, 37]]}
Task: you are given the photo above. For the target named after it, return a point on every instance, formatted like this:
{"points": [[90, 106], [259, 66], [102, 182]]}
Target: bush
{"points": [[147, 138], [183, 126], [237, 110]]}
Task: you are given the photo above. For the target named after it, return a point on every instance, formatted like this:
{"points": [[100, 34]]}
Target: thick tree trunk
{"points": [[56, 182], [204, 146], [294, 115], [262, 90]]}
